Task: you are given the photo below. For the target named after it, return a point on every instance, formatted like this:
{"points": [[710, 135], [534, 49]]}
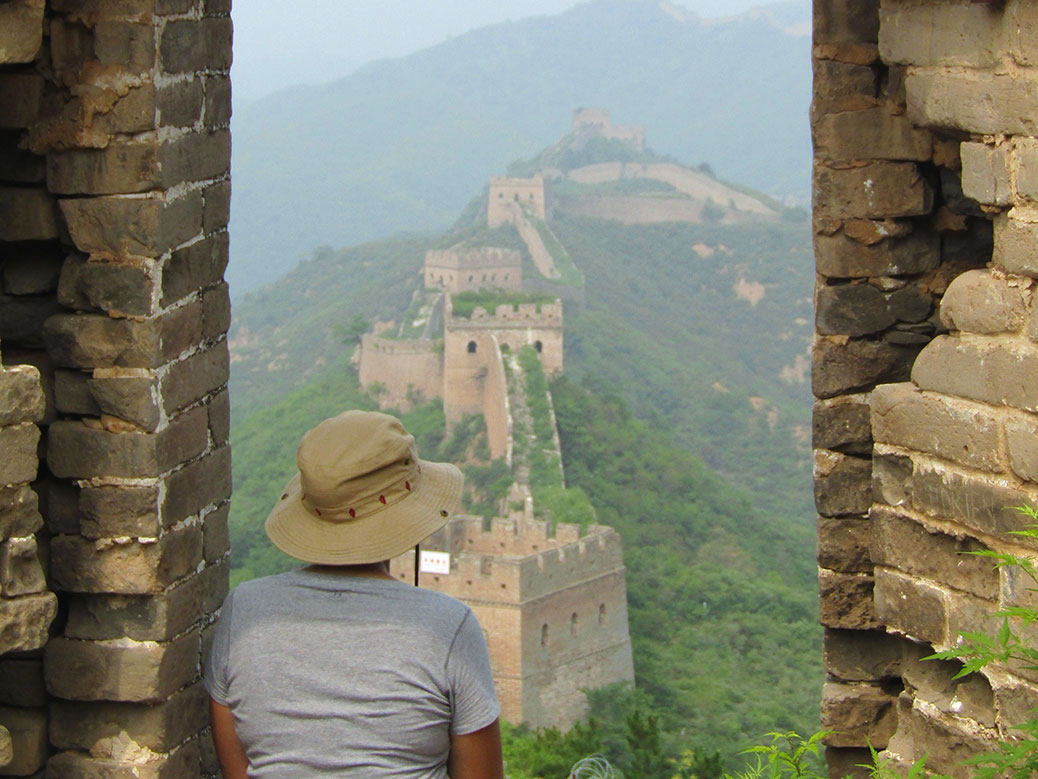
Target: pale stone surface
{"points": [[845, 601], [910, 605], [1022, 443], [1001, 374], [985, 173], [874, 133], [6, 747], [940, 34], [18, 462], [948, 99], [21, 395], [858, 715], [1014, 246], [861, 655], [979, 302], [25, 621], [20, 569]]}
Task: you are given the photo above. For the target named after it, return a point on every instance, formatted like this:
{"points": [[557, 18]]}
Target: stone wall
{"points": [[926, 233], [458, 270], [404, 367], [114, 196], [505, 191]]}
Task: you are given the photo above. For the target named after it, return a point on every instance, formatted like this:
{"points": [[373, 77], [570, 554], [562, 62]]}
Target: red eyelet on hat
{"points": [[382, 499], [317, 512], [407, 484], [353, 513]]}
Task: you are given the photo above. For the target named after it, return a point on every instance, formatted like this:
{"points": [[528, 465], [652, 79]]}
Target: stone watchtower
{"points": [[485, 267], [507, 194], [553, 608], [114, 196]]}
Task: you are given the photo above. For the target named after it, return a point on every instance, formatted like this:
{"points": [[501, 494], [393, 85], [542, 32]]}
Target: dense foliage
{"points": [[464, 303]]}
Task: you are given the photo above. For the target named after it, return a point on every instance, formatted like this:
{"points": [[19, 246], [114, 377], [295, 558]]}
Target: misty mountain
{"points": [[402, 144]]}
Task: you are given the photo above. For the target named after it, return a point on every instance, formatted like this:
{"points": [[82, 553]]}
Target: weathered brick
{"points": [[220, 417], [120, 228], [843, 484], [217, 207], [197, 156], [861, 655], [848, 762], [933, 681], [121, 167], [159, 727], [32, 270], [985, 173], [117, 671], [75, 450], [845, 601], [979, 370], [216, 311], [133, 568], [840, 86], [858, 715], [128, 395], [25, 622], [182, 762], [20, 95], [1024, 161], [873, 190], [27, 215], [22, 319], [204, 482], [950, 429], [196, 266], [94, 340], [21, 32], [119, 9], [842, 425], [20, 569], [111, 511], [910, 605], [1015, 243], [978, 302], [18, 460], [127, 45], [217, 101], [873, 133], [192, 379], [946, 742], [843, 545], [844, 21], [19, 513], [1022, 445], [180, 104], [123, 288], [969, 614], [1022, 27], [902, 543], [861, 309], [28, 730], [142, 617], [21, 395], [21, 683], [974, 101], [838, 256], [1016, 702], [216, 534], [941, 34], [840, 367], [190, 46]]}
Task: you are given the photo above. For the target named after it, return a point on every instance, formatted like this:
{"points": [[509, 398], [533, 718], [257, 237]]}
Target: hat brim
{"points": [[389, 532]]}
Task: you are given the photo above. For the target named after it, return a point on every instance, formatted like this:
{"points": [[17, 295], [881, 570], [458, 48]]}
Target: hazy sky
{"points": [[277, 44]]}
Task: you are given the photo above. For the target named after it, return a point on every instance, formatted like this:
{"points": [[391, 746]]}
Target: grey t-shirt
{"points": [[331, 675]]}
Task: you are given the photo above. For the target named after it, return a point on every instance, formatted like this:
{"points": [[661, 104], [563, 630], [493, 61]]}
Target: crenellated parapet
{"points": [[461, 269]]}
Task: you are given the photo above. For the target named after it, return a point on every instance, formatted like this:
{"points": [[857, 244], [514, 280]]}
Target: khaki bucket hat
{"points": [[361, 494]]}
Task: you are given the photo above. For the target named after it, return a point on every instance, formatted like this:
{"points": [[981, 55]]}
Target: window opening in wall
{"points": [[538, 345], [574, 623], [544, 634], [472, 347], [602, 614], [486, 565]]}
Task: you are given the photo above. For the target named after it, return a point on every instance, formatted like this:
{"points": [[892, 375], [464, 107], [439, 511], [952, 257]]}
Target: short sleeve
{"points": [[473, 700], [214, 670]]}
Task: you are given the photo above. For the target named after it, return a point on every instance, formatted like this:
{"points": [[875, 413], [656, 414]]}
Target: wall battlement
{"points": [[458, 270], [508, 316], [596, 122]]}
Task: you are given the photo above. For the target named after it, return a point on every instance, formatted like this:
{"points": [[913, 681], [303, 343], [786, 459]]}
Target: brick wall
{"points": [[924, 363], [114, 196]]}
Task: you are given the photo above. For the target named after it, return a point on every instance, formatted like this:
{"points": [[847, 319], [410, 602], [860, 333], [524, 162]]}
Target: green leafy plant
{"points": [[788, 756]]}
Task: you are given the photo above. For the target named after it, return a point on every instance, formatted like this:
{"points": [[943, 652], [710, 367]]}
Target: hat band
{"points": [[367, 505]]}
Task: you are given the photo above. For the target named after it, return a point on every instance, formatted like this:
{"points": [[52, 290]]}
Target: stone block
{"points": [[160, 727], [861, 655], [933, 681], [220, 417], [75, 450], [113, 511], [837, 256], [18, 458], [32, 271], [217, 101], [947, 742], [128, 394], [59, 504], [969, 367], [190, 380], [216, 311], [22, 320], [872, 133], [145, 671], [951, 429], [126, 45], [25, 622], [204, 482], [843, 545], [842, 484], [21, 683], [121, 167], [196, 266], [20, 96], [142, 617], [217, 210], [845, 601], [1022, 445], [1022, 28], [841, 366], [873, 190], [197, 157], [968, 36], [985, 173], [860, 309], [840, 86], [848, 762], [189, 45], [130, 568], [858, 715], [910, 605], [1024, 162], [902, 543], [1016, 702], [1014, 246], [181, 763], [983, 102], [979, 302], [19, 514], [21, 395], [842, 425], [98, 341], [119, 288], [21, 31], [120, 228], [28, 731], [847, 21], [27, 214], [216, 534], [20, 569]]}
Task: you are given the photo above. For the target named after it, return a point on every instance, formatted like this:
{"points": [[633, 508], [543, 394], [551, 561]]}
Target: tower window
{"points": [[472, 347], [538, 346], [602, 614], [544, 634], [574, 623]]}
